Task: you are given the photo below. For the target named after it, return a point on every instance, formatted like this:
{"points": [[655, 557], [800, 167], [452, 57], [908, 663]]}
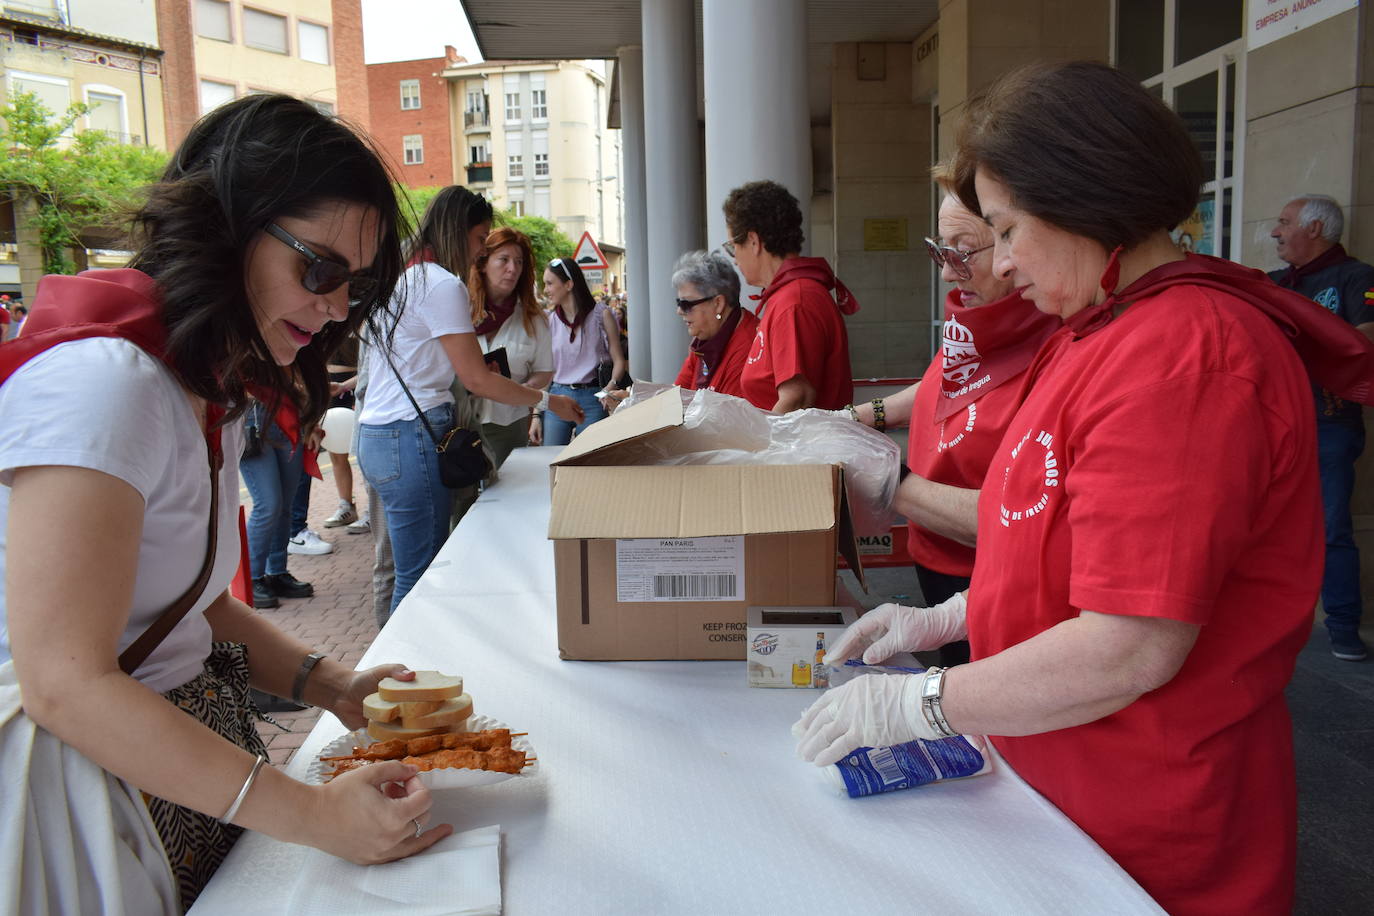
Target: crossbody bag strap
{"points": [[386, 354], [141, 648]]}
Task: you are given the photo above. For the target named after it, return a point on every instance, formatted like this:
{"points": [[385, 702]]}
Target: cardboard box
{"points": [[784, 645], [662, 562]]}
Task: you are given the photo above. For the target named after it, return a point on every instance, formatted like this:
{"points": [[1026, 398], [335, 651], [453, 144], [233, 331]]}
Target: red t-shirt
{"points": [[1163, 465], [801, 332], [726, 378], [955, 451]]}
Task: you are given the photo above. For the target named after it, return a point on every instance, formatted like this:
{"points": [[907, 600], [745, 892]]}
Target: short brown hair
{"points": [[769, 210], [1084, 147]]}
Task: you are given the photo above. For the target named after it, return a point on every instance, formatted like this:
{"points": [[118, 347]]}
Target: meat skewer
{"points": [[487, 750]]}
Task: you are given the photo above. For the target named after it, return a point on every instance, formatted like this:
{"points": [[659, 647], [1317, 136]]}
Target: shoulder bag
{"points": [[462, 460]]}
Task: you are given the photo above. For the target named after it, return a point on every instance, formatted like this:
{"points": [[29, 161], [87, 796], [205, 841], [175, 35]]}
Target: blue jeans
{"points": [[399, 461], [300, 505], [558, 431], [1338, 446], [271, 477]]}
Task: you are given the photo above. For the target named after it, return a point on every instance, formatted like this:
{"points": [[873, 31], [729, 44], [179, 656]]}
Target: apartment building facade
{"points": [[413, 120]]}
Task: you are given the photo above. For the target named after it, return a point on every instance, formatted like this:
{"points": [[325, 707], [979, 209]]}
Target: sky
{"points": [[415, 30]]}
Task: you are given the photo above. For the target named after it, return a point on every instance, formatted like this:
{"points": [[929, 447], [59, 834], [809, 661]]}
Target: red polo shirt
{"points": [[1163, 466], [726, 378], [801, 332]]}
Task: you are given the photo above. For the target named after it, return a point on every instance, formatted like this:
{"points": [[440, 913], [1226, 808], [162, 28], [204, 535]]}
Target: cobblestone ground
{"points": [[338, 619]]}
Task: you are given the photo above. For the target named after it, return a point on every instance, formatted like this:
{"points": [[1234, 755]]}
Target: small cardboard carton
{"points": [[662, 562], [785, 645]]}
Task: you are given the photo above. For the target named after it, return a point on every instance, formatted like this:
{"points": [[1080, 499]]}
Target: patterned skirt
{"points": [[218, 697]]}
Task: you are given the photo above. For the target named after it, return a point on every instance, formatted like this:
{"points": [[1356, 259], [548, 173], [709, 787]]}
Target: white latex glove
{"points": [[873, 710], [892, 628]]}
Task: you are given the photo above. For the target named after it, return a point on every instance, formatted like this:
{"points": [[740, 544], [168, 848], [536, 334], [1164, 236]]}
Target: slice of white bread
{"points": [[428, 685], [379, 710], [451, 713], [385, 731]]}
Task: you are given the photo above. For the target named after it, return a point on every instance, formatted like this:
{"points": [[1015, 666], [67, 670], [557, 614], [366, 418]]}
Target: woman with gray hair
{"points": [[708, 301]]}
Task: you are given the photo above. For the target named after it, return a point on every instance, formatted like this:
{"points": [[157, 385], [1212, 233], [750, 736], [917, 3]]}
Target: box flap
{"points": [[693, 500], [660, 412]]}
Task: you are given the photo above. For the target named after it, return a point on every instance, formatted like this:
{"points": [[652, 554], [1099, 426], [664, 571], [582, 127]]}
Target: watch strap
{"points": [[303, 675]]}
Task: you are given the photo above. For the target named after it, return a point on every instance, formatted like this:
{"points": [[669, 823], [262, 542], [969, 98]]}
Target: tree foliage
{"points": [[77, 185]]}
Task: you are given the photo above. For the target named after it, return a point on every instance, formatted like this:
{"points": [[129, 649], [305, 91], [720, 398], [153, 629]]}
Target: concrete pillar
{"points": [[630, 71], [757, 122], [672, 166]]}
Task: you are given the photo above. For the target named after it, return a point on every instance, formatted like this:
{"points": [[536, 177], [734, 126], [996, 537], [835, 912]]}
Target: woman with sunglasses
{"points": [[271, 237], [585, 337], [959, 410], [708, 300], [412, 370], [800, 354]]}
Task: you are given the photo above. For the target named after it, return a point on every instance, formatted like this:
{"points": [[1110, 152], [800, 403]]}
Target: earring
{"points": [[718, 316]]}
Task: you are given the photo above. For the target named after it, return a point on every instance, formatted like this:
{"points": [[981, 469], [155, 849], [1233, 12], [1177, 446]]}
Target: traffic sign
{"points": [[588, 256]]}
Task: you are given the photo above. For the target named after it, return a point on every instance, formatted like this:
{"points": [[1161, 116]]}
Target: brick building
{"points": [[411, 117]]}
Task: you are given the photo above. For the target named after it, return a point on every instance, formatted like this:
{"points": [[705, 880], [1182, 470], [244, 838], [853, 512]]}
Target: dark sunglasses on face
{"points": [[686, 305], [957, 260], [324, 275]]}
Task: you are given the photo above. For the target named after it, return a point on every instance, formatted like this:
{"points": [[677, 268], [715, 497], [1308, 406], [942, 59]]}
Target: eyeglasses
{"points": [[957, 260], [729, 244], [324, 275], [686, 305]]}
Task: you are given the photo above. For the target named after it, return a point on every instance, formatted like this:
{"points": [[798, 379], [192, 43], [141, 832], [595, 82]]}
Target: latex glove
{"points": [[873, 710], [892, 628]]}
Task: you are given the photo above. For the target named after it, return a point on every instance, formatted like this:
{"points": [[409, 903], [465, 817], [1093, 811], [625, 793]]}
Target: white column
{"points": [[757, 122], [630, 72], [672, 166]]}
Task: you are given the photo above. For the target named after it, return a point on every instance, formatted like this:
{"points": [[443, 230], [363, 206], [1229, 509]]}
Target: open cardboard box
{"points": [[662, 562]]}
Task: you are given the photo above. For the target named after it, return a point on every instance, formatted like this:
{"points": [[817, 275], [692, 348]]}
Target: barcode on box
{"points": [[885, 762], [705, 586]]}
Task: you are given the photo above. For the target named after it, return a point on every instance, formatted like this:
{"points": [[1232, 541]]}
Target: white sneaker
{"points": [[361, 526], [308, 543], [344, 515]]}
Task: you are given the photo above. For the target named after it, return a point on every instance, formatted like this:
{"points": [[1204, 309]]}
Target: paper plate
{"points": [[446, 778]]}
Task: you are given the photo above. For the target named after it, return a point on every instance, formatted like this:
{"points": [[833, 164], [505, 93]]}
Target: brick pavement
{"points": [[338, 619]]}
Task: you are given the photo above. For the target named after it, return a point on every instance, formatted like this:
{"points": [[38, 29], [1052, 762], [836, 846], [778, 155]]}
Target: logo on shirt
{"points": [[964, 431], [1042, 446], [1328, 299], [756, 351], [962, 358]]}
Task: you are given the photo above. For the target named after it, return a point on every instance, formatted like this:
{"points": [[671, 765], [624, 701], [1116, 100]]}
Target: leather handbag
{"points": [[463, 461]]}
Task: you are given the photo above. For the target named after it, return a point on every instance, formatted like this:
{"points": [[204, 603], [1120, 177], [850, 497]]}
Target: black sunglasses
{"points": [[324, 275], [686, 305]]}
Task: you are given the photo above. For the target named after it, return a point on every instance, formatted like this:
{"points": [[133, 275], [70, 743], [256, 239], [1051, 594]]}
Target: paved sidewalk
{"points": [[338, 619]]}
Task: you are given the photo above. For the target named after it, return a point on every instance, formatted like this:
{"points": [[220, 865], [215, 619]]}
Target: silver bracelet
{"points": [[307, 666], [243, 793], [543, 400], [932, 692]]}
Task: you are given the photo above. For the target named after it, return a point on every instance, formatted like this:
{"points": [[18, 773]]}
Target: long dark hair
{"points": [[582, 295], [243, 166], [443, 233]]}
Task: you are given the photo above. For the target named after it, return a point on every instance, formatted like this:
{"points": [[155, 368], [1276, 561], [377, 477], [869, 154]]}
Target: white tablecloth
{"points": [[671, 787]]}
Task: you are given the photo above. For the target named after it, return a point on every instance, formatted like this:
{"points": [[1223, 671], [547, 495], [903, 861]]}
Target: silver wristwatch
{"points": [[932, 691], [543, 404]]}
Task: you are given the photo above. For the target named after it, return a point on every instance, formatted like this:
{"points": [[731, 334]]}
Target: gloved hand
{"points": [[873, 710], [892, 628]]}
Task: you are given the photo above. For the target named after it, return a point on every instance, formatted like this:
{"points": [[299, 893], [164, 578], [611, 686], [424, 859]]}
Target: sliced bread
{"points": [[380, 710], [450, 713], [385, 731], [428, 685]]}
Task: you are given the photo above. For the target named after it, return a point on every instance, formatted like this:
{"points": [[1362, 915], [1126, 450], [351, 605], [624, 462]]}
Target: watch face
{"points": [[930, 688]]}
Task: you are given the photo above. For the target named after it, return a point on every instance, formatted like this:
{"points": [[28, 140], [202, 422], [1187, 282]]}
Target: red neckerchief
{"points": [[987, 345], [811, 269], [1328, 258], [423, 256], [99, 303], [497, 313], [1337, 357], [573, 325], [709, 352]]}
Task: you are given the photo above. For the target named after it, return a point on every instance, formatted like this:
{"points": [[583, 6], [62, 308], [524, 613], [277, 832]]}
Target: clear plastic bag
{"points": [[742, 434]]}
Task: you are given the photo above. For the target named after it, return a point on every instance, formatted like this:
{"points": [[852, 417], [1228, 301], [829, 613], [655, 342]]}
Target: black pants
{"points": [[937, 587]]}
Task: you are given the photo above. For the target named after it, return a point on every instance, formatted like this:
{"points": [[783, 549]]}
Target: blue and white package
{"points": [[871, 770]]}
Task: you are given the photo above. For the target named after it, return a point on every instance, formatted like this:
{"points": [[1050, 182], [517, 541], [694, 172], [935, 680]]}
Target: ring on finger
{"points": [[416, 822]]}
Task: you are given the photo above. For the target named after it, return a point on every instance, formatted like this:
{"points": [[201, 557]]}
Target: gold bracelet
{"points": [[879, 414], [853, 413]]}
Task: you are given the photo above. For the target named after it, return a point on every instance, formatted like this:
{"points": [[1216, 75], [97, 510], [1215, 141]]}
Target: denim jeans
{"points": [[300, 505], [1338, 446], [271, 477], [399, 461], [558, 431]]}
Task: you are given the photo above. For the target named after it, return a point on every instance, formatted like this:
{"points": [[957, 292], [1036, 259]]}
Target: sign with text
{"points": [[1270, 20]]}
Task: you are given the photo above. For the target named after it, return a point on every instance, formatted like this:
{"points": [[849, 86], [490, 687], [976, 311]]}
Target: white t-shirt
{"points": [[105, 404], [435, 303], [526, 355]]}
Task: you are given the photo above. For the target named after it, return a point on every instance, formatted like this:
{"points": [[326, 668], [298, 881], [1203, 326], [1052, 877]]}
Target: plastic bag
{"points": [[743, 434]]}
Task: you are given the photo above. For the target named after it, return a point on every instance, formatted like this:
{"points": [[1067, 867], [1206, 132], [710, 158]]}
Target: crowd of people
{"points": [[1116, 607]]}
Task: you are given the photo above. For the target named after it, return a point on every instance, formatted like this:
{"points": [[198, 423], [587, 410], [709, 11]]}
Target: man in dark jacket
{"points": [[1309, 239]]}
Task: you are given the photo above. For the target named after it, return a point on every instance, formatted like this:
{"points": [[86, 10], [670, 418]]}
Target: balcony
{"points": [[476, 120], [479, 172]]}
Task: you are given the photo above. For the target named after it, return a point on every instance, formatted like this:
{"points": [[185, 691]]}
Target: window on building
{"points": [[213, 20], [541, 154], [517, 206], [515, 157], [106, 114], [512, 90], [479, 153], [213, 95], [542, 206], [539, 98], [414, 147], [53, 93], [313, 41], [410, 94], [265, 31]]}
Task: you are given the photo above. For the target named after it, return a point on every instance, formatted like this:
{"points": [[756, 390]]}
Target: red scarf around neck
{"points": [[810, 269], [497, 314], [987, 345]]}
